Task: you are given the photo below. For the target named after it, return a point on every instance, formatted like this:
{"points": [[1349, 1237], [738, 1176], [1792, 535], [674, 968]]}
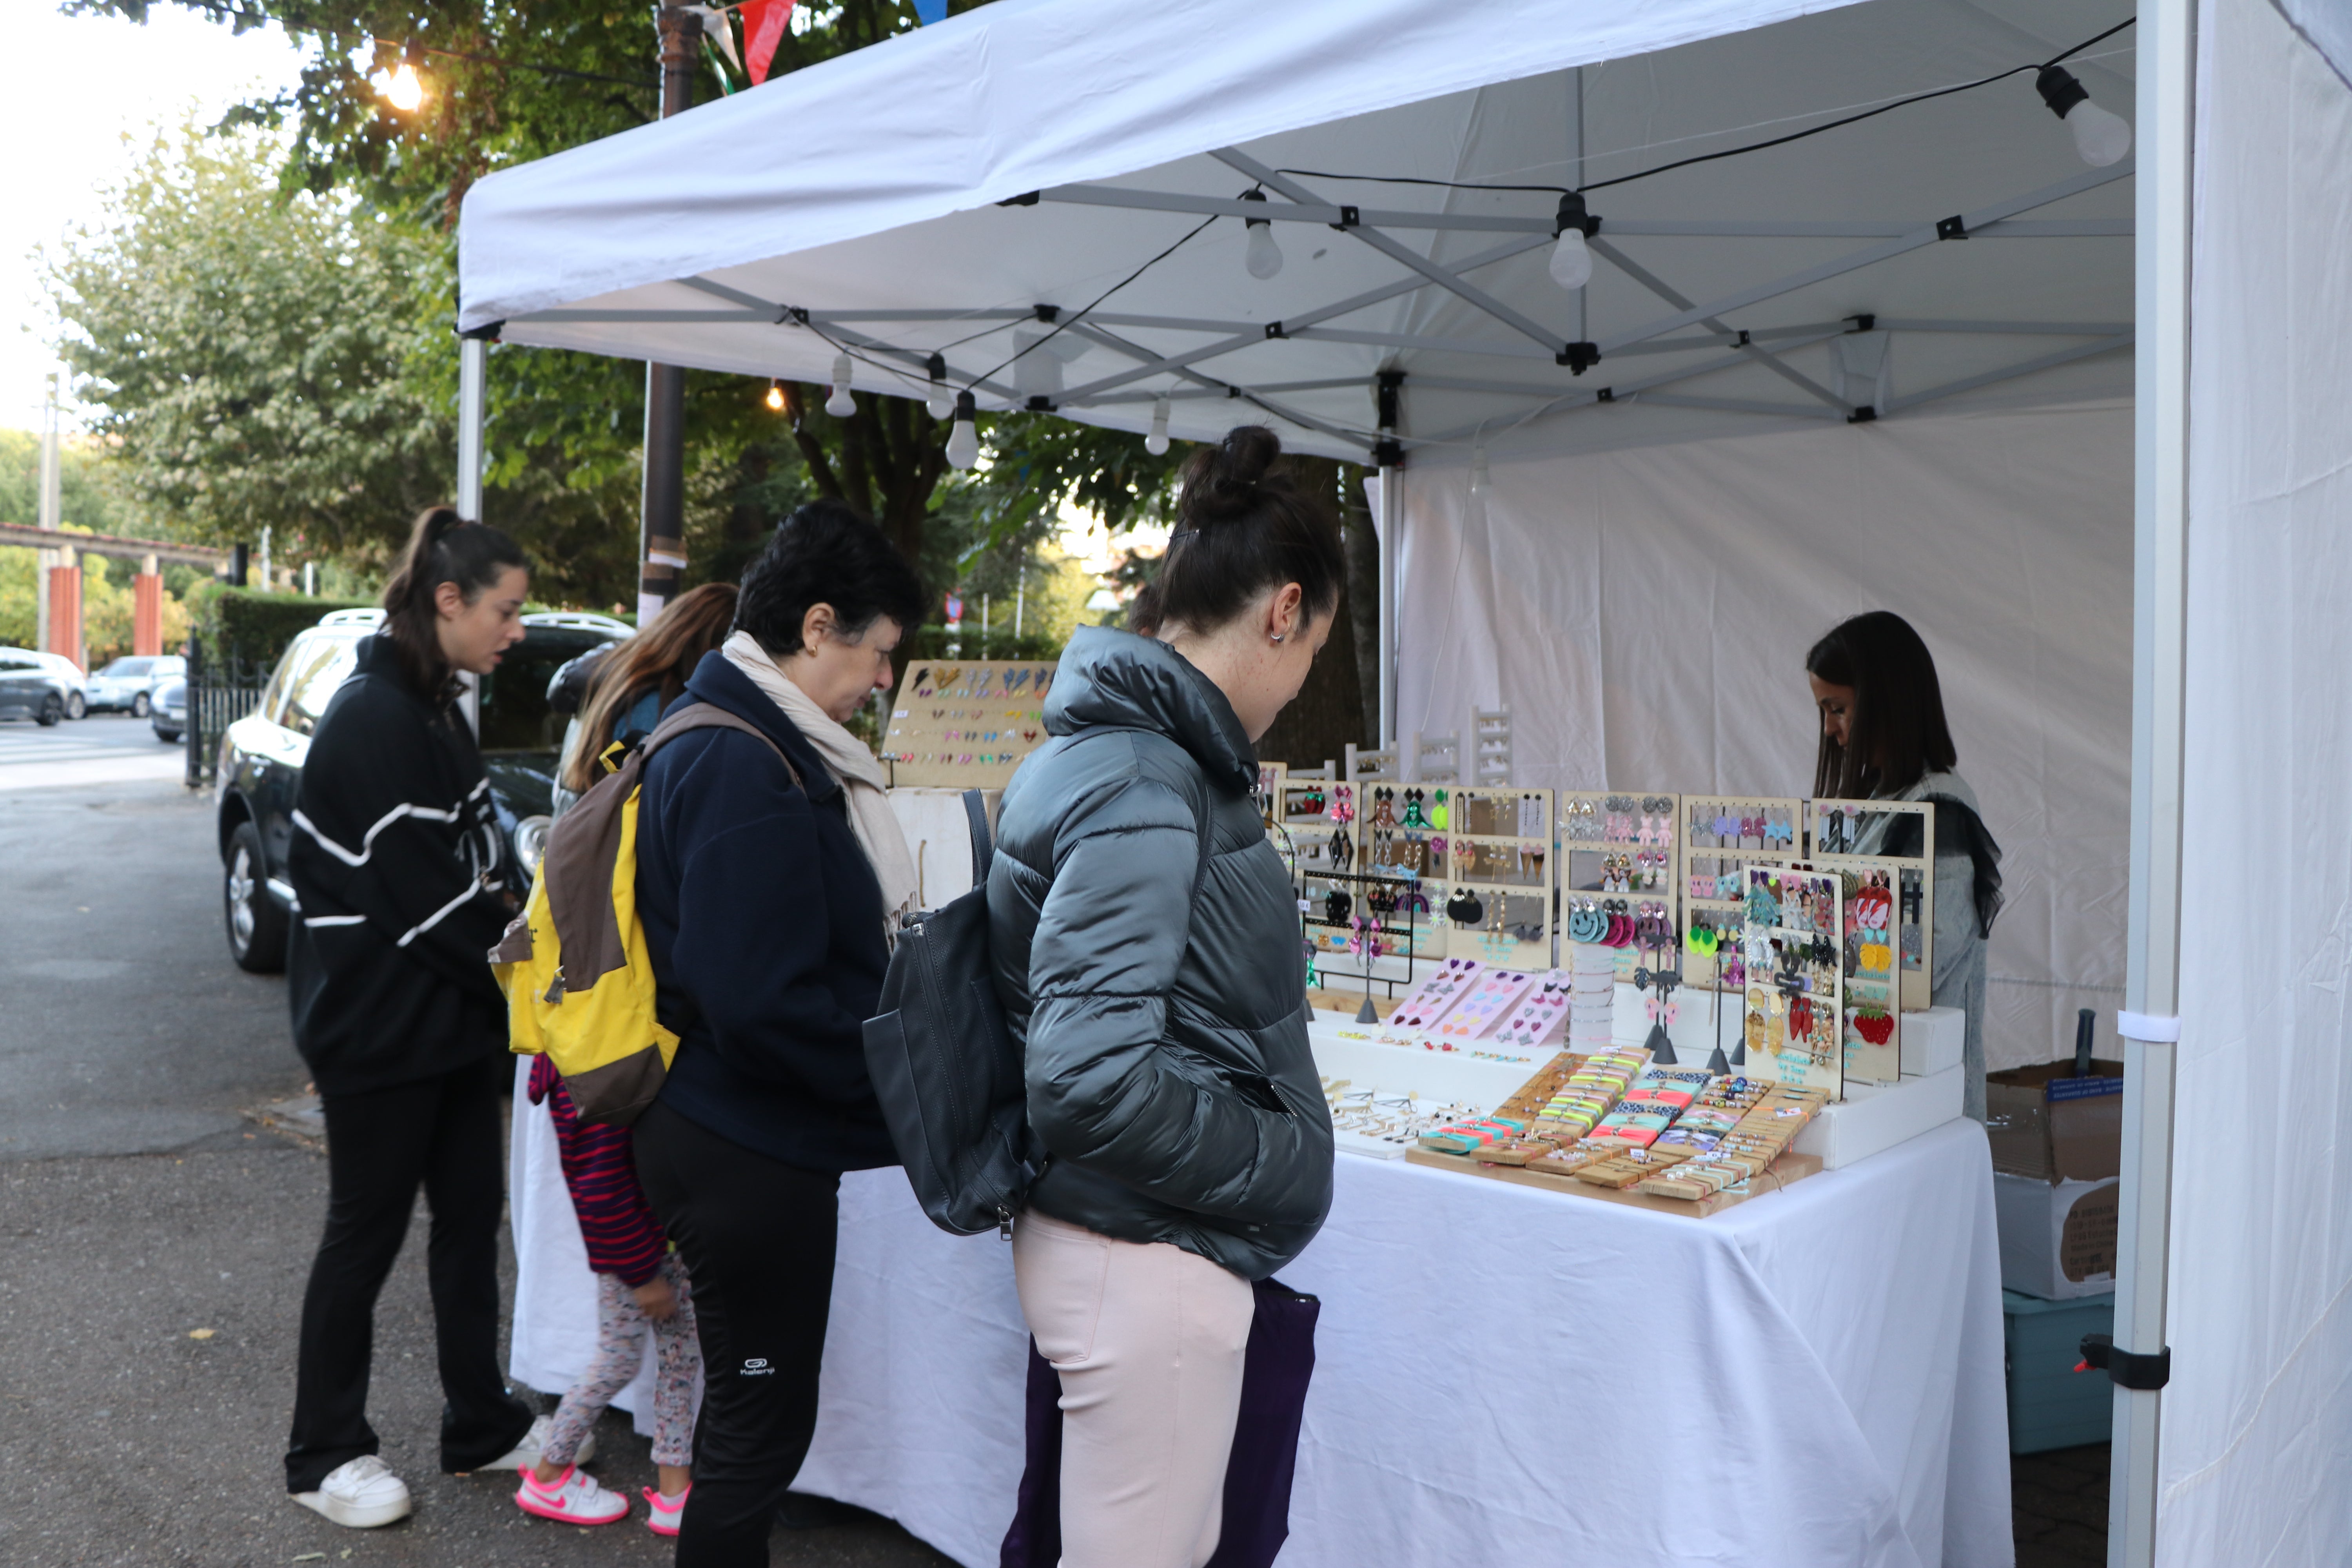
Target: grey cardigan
{"points": [[1957, 924], [1163, 1018]]}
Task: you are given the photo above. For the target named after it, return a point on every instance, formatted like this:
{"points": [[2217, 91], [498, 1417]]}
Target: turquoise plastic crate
{"points": [[2052, 1405]]}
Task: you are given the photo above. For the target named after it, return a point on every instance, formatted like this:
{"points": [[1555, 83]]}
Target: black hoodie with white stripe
{"points": [[402, 873]]}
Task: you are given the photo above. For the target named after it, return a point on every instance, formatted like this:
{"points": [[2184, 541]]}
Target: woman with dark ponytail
{"points": [[1147, 944], [400, 873]]}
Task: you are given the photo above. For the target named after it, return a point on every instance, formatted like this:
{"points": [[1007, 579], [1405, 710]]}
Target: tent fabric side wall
{"points": [[2256, 1449], [1647, 613]]}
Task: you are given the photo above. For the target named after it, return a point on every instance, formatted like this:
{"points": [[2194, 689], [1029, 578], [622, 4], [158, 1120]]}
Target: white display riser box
{"points": [[1872, 1117]]}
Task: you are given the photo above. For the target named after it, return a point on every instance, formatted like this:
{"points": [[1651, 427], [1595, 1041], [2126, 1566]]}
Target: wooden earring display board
{"points": [[1855, 834], [965, 724], [1792, 945], [1619, 846], [1721, 836], [1498, 856]]}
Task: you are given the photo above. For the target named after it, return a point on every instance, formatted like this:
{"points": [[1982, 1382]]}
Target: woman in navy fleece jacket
{"points": [[763, 917]]}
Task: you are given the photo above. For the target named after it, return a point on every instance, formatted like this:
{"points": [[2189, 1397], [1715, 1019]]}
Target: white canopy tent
{"points": [[1781, 334]]}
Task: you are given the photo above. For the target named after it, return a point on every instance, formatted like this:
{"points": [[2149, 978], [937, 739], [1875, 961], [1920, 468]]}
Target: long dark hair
{"points": [[441, 548], [1244, 524], [659, 658], [1895, 733]]}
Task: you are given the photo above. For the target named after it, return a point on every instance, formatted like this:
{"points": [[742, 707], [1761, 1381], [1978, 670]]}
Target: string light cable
{"points": [[329, 32]]}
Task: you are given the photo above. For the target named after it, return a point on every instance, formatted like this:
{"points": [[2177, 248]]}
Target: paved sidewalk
{"points": [[128, 1440]]}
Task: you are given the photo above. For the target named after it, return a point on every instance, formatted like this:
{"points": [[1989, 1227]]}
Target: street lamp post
{"points": [[661, 530]]}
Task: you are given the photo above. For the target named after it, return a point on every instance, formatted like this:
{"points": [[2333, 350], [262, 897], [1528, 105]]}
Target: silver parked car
{"points": [[65, 669], [169, 712], [130, 682]]}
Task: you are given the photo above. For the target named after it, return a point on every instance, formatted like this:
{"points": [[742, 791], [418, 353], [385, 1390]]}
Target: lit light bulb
{"points": [[841, 406], [1157, 442], [776, 396], [942, 402], [404, 91], [2101, 136], [963, 441], [1261, 255], [1571, 259]]}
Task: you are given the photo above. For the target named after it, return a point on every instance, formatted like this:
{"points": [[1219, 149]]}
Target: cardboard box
{"points": [[2046, 1123], [2057, 1238]]}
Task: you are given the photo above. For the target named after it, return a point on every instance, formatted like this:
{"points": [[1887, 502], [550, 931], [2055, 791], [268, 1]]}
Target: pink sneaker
{"points": [[665, 1511], [573, 1498]]}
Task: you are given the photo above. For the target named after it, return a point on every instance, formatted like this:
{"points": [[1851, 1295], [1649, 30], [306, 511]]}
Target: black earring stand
{"points": [[1358, 886]]}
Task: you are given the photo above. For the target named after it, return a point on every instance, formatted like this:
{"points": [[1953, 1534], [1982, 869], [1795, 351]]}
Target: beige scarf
{"points": [[853, 768]]}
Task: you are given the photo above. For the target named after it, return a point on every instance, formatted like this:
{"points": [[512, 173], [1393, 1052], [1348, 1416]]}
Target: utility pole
{"points": [[50, 507], [661, 527]]}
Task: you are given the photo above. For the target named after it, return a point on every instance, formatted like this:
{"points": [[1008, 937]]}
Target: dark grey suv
{"points": [[261, 760]]}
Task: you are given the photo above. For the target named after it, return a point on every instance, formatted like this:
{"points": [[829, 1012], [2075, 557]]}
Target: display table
{"points": [[1508, 1375], [1503, 1374]]}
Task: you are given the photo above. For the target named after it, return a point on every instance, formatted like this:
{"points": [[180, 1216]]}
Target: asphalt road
{"points": [[158, 1241]]}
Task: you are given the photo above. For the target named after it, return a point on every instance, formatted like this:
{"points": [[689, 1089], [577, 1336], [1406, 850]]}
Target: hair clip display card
{"points": [[1489, 1002], [1618, 864], [965, 725], [1896, 837], [1721, 836], [1792, 946], [1430, 1001], [1541, 1016]]}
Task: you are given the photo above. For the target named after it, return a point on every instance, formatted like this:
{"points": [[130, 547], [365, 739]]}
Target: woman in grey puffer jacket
{"points": [[1147, 947]]}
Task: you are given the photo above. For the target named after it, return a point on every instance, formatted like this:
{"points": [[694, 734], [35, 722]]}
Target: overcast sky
{"points": [[83, 101]]}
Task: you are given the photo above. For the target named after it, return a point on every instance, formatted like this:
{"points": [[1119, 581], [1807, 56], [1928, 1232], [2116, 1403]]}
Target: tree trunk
{"points": [[1328, 711]]}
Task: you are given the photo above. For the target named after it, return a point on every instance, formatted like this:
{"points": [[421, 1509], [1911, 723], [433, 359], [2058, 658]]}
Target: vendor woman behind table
{"points": [[1884, 738]]}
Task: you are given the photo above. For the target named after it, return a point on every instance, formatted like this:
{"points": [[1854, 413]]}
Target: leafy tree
{"points": [[246, 349], [89, 488]]}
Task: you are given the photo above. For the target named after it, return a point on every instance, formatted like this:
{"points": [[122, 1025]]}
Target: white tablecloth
{"points": [[1503, 1374]]}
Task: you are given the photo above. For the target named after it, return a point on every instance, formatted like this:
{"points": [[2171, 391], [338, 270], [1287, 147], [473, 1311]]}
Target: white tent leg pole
{"points": [[2150, 1028], [1390, 520], [473, 366], [473, 374]]}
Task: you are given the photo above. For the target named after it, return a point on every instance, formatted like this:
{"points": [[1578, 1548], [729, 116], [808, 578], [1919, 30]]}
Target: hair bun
{"points": [[1220, 482]]}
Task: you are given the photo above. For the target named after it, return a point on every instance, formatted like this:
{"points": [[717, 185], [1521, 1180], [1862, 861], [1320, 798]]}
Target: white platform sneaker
{"points": [[363, 1494]]}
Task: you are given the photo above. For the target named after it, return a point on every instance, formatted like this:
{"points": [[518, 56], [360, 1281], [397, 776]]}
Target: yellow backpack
{"points": [[579, 984]]}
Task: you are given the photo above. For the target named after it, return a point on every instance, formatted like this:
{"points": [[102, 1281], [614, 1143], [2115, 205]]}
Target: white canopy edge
{"points": [[805, 160]]}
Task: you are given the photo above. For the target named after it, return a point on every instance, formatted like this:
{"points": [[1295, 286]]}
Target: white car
{"points": [[131, 681], [65, 669]]}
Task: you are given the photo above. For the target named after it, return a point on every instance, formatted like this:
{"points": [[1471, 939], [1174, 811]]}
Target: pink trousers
{"points": [[1149, 1340]]}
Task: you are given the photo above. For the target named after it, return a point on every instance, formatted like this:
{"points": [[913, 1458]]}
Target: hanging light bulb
{"points": [[2101, 136], [1571, 259], [963, 441], [1481, 482], [776, 395], [404, 90], [1157, 442], [841, 406], [942, 402], [1261, 255]]}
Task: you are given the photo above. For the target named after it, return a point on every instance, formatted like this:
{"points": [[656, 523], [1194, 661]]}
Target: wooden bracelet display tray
{"points": [[1789, 1168]]}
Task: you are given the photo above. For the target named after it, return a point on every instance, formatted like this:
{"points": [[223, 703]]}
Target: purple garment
{"points": [[1276, 1371]]}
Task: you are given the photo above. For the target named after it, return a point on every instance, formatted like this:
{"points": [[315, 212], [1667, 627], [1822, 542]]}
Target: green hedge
{"points": [[254, 628]]}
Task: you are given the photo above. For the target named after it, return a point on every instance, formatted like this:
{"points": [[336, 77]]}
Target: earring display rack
{"points": [[1793, 944], [965, 724], [1312, 807], [1362, 765], [1333, 901], [1721, 836], [1271, 777], [1436, 759], [1617, 850], [1854, 835], [1490, 748], [1495, 887]]}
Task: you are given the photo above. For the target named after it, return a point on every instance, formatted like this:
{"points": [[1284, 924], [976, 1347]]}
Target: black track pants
{"points": [[441, 1133], [757, 1236]]}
